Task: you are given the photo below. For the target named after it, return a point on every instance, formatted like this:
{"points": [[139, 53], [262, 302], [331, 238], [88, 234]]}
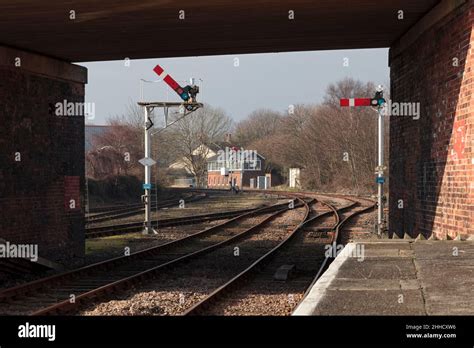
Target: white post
{"points": [[380, 170], [148, 228]]}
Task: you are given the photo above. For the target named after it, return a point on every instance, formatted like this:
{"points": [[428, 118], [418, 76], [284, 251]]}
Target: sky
{"points": [[239, 84]]}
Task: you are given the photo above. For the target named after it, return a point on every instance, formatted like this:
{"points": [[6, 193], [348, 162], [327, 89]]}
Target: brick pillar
{"points": [[431, 159], [41, 155]]}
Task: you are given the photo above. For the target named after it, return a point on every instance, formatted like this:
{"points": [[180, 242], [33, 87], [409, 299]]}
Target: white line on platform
{"points": [[309, 304]]}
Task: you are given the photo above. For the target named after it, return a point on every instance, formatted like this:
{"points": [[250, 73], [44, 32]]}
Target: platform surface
{"points": [[396, 277]]}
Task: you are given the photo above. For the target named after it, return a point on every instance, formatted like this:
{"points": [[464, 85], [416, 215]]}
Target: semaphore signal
{"points": [[378, 102], [187, 93], [356, 102]]}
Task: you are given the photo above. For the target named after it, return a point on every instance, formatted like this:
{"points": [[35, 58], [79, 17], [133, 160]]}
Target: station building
{"points": [[227, 170]]}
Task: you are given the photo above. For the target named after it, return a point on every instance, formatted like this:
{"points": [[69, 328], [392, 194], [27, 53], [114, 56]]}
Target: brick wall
{"points": [[431, 159], [216, 180], [41, 155]]}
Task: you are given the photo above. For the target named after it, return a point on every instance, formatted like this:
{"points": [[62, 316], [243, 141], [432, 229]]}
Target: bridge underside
{"points": [[109, 29], [42, 155]]}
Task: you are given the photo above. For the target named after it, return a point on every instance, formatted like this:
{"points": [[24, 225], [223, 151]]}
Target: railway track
{"points": [[171, 292], [111, 207], [106, 208], [242, 277], [295, 262], [338, 238], [138, 208], [64, 292], [131, 227]]}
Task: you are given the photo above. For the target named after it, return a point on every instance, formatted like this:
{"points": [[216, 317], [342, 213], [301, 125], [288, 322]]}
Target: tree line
{"points": [[334, 147]]}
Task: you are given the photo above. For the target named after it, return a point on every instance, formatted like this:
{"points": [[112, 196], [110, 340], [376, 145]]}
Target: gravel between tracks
{"points": [[99, 249], [261, 294], [211, 204], [174, 291]]}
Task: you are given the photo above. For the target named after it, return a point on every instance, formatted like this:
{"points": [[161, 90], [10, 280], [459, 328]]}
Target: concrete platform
{"points": [[396, 277]]}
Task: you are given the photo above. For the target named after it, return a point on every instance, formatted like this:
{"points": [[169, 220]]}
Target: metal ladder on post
{"points": [[154, 201]]}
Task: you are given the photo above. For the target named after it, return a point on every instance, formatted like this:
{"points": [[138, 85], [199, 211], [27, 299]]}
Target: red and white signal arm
{"points": [[356, 102], [171, 82]]}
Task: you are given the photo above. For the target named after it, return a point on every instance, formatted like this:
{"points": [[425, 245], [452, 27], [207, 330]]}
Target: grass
{"points": [[98, 245]]}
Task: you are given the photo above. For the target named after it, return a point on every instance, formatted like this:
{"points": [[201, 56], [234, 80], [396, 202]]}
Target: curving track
{"points": [[255, 291], [173, 292], [53, 295], [238, 286], [134, 209]]}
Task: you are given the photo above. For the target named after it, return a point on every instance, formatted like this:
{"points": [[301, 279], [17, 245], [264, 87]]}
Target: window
{"points": [[213, 166], [216, 166], [253, 165]]}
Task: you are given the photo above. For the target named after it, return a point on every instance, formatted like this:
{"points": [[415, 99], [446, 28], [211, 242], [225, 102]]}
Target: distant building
{"points": [[182, 170], [234, 166], [184, 163]]}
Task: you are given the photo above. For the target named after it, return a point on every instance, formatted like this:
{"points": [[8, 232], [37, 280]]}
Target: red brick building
{"points": [[221, 171]]}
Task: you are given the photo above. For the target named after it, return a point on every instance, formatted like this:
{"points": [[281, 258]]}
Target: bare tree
{"points": [[115, 151], [193, 136], [334, 146], [261, 123]]}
